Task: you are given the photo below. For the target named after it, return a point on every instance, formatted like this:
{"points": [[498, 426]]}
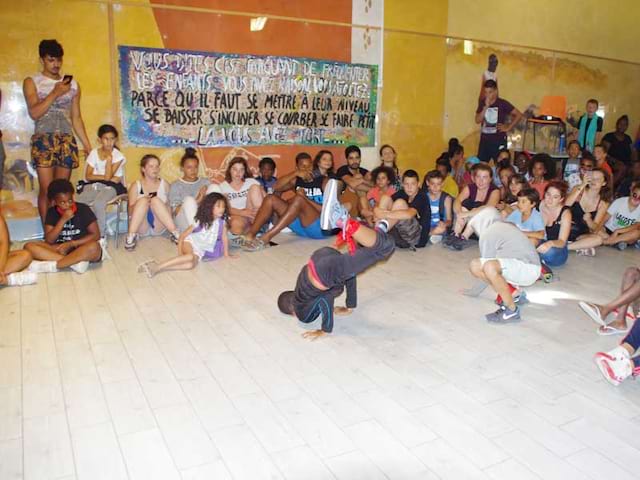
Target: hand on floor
{"points": [[313, 335], [342, 311]]}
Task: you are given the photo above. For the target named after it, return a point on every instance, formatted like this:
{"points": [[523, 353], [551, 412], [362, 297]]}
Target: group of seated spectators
{"points": [[560, 208]]}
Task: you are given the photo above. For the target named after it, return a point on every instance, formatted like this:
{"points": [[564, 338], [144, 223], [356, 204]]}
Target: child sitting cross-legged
{"points": [[71, 234], [440, 206], [206, 240], [527, 217]]}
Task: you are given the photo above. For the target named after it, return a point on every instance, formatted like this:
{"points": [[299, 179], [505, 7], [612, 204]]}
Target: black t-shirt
{"points": [[421, 203], [344, 170], [619, 149], [312, 189], [74, 228], [496, 113]]}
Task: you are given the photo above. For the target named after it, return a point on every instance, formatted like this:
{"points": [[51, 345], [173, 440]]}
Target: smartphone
{"points": [[67, 78], [153, 194]]}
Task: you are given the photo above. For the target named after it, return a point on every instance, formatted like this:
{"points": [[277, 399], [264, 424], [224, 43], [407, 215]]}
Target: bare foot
{"points": [[342, 311], [313, 335]]}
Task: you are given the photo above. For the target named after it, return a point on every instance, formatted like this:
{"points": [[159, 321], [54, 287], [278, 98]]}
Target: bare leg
{"points": [[255, 196], [163, 214], [460, 223], [270, 205], [629, 292], [493, 272], [586, 241], [139, 215], [17, 261], [238, 225], [186, 260], [45, 175], [90, 252], [299, 206], [386, 203], [628, 237], [365, 210]]}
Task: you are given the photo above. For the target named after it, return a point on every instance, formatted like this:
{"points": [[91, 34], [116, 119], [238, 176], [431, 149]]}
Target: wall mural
{"points": [[171, 98]]}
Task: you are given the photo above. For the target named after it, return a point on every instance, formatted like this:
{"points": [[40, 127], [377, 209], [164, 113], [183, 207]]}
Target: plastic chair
{"points": [[118, 202]]}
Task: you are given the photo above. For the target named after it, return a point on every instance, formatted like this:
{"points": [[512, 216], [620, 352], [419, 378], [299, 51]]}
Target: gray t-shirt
{"points": [[181, 189], [505, 240]]}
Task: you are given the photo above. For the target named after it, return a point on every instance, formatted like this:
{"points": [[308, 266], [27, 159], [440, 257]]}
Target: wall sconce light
{"points": [[468, 47], [258, 24]]}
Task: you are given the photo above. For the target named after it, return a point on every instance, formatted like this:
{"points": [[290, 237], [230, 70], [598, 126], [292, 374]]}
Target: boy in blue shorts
{"points": [[301, 213]]}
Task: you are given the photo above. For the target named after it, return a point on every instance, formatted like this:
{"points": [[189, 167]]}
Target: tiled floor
{"points": [[195, 375]]}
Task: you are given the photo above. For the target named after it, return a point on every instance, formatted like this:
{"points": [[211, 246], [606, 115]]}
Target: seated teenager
{"points": [[301, 213], [621, 227], [505, 172], [602, 160], [323, 164], [507, 261], [456, 158], [12, 263], [571, 166], [449, 185], [103, 176], [187, 191], [539, 178], [482, 192], [389, 158], [620, 307], [624, 189], [521, 163], [267, 169], [440, 206], [206, 240], [509, 202], [328, 272], [71, 234], [589, 202], [408, 213], [527, 217], [149, 212], [502, 161], [467, 176], [553, 251], [356, 180], [383, 179], [244, 194]]}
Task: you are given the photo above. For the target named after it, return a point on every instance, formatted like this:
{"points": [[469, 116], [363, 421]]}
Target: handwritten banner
{"points": [[177, 97]]}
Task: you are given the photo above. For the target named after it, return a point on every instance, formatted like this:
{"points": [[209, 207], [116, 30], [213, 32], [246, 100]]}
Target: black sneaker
{"points": [[504, 315]]}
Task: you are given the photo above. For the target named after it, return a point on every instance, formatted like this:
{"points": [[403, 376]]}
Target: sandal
{"points": [[254, 245], [593, 312], [607, 330]]}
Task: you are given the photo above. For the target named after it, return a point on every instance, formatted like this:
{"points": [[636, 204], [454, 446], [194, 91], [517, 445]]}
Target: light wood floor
{"points": [[196, 375]]}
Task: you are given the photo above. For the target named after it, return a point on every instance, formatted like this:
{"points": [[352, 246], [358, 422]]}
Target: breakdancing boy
{"points": [[328, 271]]}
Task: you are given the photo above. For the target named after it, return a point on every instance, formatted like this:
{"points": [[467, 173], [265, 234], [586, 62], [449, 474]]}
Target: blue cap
{"points": [[473, 160]]}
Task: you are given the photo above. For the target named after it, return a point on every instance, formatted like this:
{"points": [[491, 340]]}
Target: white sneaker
{"points": [[38, 266], [614, 368], [105, 252], [131, 241], [435, 239], [80, 267], [22, 278]]}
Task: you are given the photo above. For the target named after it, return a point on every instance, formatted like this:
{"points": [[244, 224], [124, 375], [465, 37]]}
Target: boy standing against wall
{"points": [[589, 131]]}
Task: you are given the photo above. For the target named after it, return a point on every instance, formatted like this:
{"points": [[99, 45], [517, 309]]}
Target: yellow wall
{"points": [[526, 74], [599, 28], [414, 82]]}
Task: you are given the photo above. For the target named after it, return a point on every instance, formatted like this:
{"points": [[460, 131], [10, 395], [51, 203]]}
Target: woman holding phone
{"points": [[589, 202], [53, 102], [149, 212]]}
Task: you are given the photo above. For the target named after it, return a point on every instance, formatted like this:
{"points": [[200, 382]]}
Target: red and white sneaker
{"points": [[614, 365]]}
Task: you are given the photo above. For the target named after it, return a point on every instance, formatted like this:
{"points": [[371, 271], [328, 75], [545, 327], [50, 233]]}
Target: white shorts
{"points": [[517, 272]]}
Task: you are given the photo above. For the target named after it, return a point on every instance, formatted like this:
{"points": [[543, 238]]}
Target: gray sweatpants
{"points": [[97, 195]]}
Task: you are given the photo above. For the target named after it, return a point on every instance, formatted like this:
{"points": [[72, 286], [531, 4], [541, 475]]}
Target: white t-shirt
{"points": [[99, 165], [237, 198], [621, 216], [572, 173]]}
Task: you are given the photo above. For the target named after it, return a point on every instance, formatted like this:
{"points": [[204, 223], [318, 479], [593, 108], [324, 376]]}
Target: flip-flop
{"points": [[254, 245], [607, 330], [630, 317], [143, 267], [593, 312]]}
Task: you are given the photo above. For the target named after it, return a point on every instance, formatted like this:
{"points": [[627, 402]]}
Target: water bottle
{"points": [[561, 143]]}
